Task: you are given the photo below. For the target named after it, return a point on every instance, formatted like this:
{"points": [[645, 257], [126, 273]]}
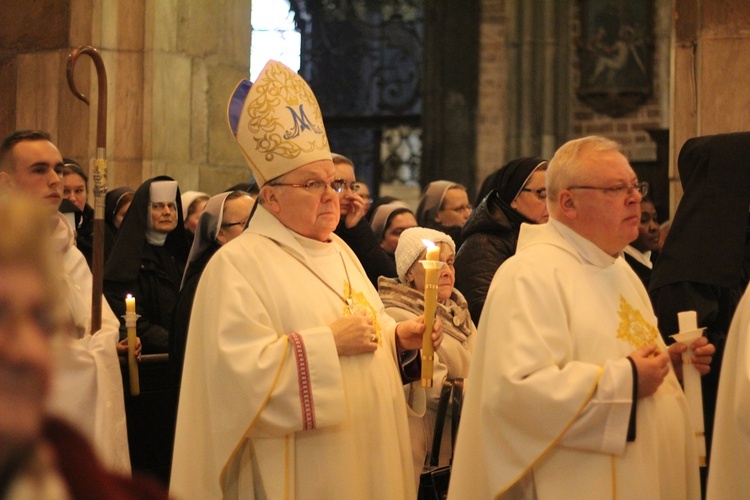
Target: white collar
{"points": [[642, 257], [587, 249]]}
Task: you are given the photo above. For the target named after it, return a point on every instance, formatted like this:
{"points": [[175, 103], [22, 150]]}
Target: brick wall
{"points": [[630, 129]]}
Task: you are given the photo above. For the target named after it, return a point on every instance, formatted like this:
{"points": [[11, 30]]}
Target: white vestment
{"points": [[548, 407], [267, 407], [730, 450], [87, 383]]}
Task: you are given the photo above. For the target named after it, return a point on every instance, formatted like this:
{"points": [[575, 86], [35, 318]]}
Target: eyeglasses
{"points": [[316, 187], [540, 193], [353, 187], [626, 189], [230, 224], [459, 209]]}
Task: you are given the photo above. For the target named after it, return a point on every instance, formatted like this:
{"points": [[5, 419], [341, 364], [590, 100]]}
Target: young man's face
{"points": [[35, 171]]}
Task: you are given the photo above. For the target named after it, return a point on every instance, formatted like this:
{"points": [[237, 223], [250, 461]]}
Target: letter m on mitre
{"points": [[301, 122]]}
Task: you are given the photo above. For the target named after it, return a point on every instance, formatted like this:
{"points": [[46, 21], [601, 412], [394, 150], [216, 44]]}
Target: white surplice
{"points": [[87, 383], [548, 406], [267, 407], [730, 450]]}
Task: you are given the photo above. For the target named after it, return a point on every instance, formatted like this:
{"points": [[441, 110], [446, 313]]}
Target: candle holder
{"points": [[432, 271], [131, 319]]}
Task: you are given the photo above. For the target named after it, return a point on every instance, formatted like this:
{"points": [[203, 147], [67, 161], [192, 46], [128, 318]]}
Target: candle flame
{"points": [[428, 243], [128, 296]]}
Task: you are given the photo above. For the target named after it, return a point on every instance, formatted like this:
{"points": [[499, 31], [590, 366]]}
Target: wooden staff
{"points": [[99, 175]]}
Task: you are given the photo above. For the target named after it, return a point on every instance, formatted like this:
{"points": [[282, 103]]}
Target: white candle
{"points": [[691, 378]]}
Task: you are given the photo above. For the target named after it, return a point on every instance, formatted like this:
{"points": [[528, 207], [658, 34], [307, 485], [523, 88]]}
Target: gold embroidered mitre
{"points": [[277, 123]]}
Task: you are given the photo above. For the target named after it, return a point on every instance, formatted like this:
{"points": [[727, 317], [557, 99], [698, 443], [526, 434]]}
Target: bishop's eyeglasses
{"points": [[316, 187], [626, 189]]}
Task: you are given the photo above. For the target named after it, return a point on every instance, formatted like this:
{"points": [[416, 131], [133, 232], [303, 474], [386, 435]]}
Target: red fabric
{"points": [[84, 474]]}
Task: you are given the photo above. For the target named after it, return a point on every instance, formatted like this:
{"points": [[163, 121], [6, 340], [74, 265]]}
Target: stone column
{"points": [[171, 66], [710, 90]]}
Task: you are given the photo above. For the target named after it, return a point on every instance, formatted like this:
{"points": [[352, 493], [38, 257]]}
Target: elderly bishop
{"points": [[292, 384]]}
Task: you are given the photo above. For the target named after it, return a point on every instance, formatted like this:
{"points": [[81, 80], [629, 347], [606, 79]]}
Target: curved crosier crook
{"points": [[101, 73]]}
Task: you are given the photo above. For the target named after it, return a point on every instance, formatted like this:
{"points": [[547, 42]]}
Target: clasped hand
{"points": [[652, 364], [356, 334]]}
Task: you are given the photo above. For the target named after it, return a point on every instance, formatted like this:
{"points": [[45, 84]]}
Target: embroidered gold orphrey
{"points": [[633, 329], [359, 304], [285, 93]]}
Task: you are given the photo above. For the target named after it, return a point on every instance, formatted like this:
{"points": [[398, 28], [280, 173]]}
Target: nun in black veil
{"points": [[703, 265], [223, 219], [148, 260], [116, 204]]}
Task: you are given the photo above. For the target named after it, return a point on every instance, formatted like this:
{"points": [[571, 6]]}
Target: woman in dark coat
{"points": [[490, 235], [703, 264], [147, 261]]}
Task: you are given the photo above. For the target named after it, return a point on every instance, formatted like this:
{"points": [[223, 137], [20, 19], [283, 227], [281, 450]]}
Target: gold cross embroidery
{"points": [[633, 329]]}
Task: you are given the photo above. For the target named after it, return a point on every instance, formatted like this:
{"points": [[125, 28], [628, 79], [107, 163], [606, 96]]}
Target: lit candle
{"points": [[432, 267], [691, 378], [131, 318]]}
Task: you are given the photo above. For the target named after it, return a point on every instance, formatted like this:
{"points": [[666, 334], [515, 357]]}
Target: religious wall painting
{"points": [[616, 52]]}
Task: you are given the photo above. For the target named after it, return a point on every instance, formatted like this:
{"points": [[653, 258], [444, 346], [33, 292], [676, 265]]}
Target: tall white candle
{"points": [[691, 378]]}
